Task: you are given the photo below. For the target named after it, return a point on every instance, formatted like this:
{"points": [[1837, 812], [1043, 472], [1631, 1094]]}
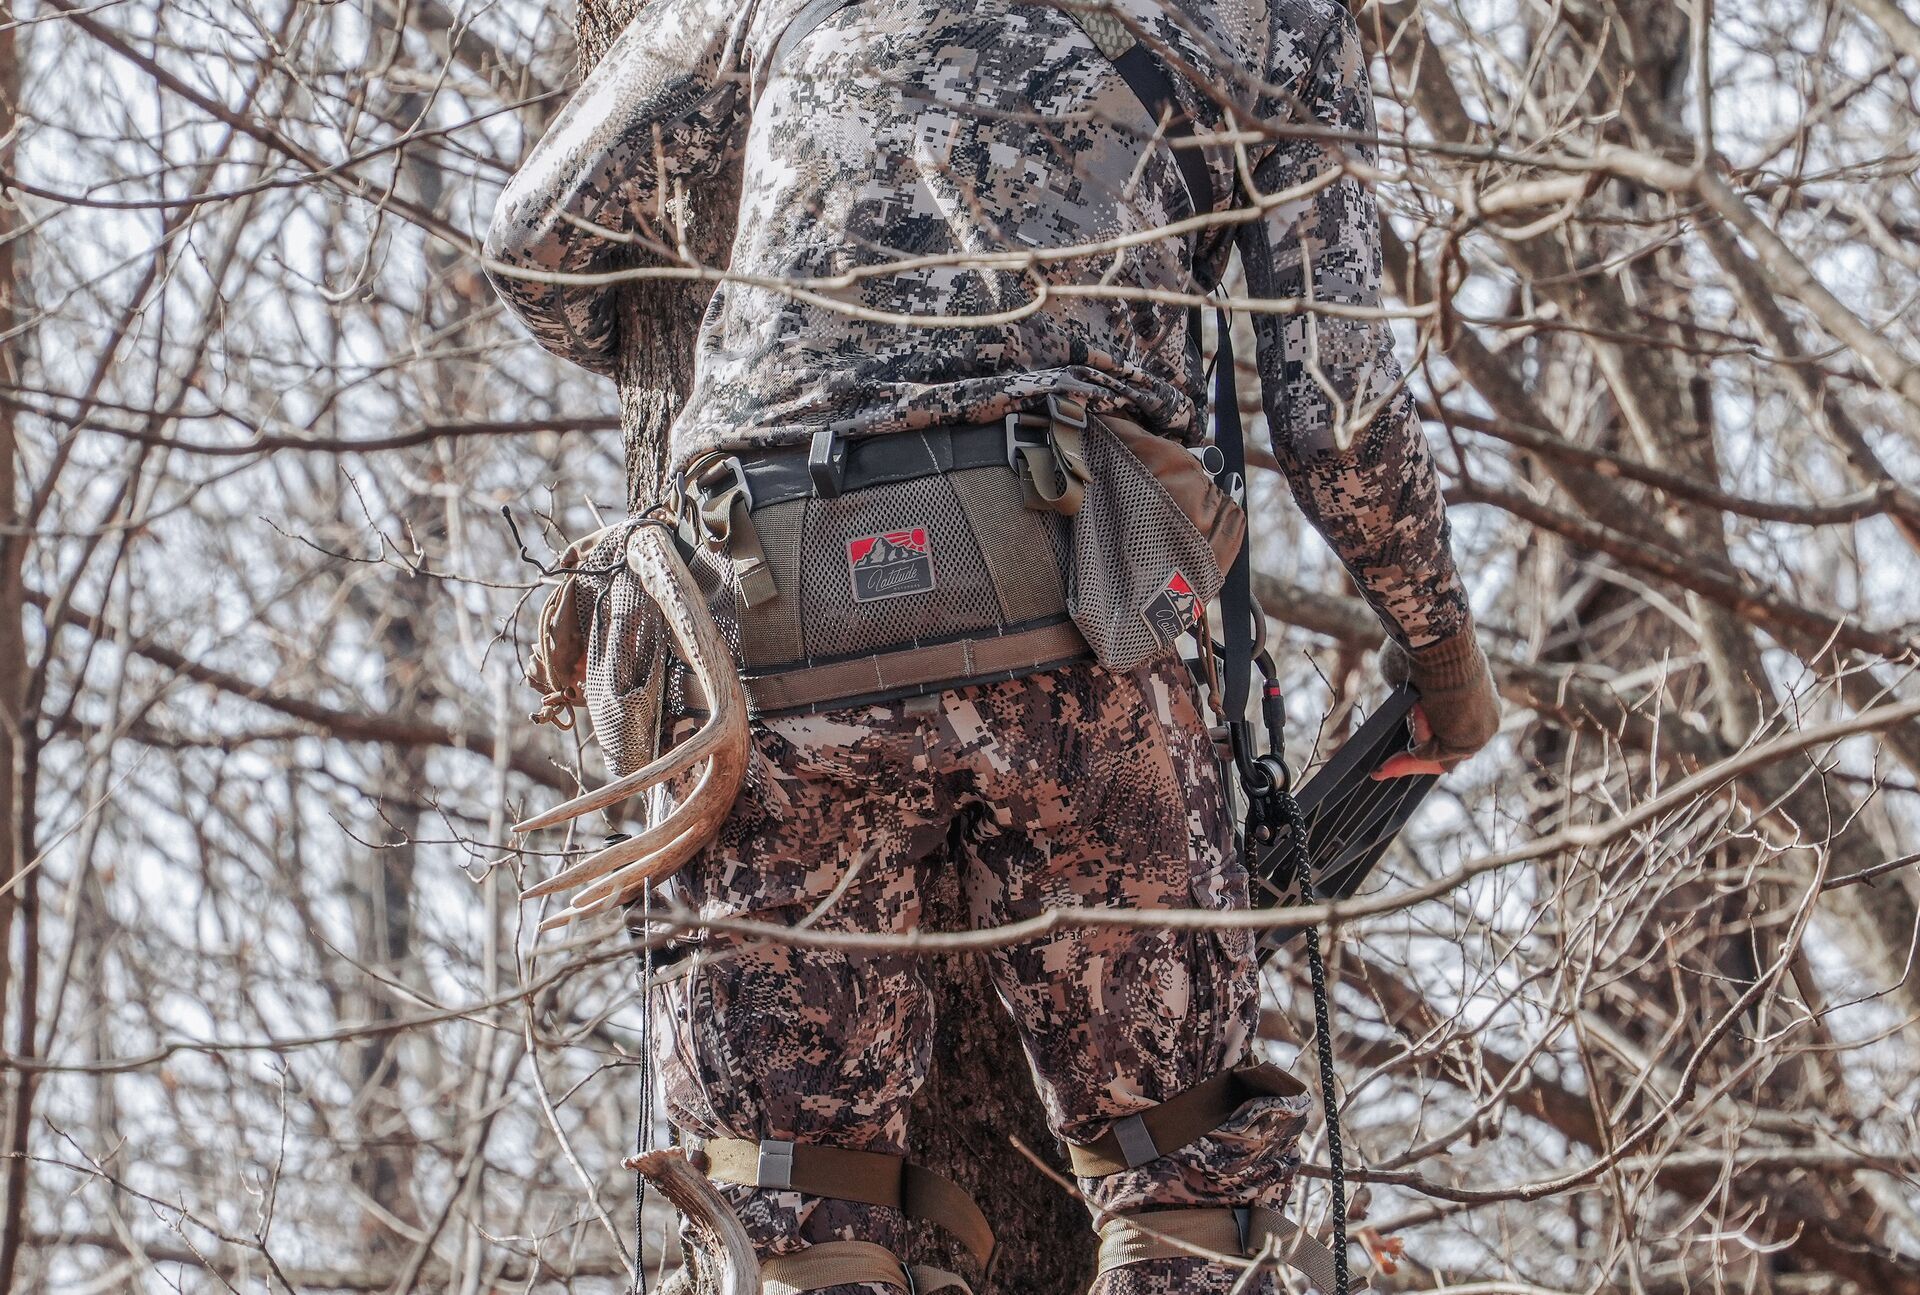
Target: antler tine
{"points": [[621, 853], [727, 1262], [723, 741], [628, 882], [681, 758], [624, 883]]}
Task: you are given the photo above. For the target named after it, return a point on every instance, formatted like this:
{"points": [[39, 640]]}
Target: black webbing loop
{"points": [[1236, 596]]}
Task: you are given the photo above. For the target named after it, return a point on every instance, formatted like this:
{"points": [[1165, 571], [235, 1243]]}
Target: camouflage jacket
{"points": [[950, 208]]}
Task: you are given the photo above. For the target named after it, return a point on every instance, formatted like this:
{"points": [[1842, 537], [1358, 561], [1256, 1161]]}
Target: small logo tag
{"points": [[889, 565], [1174, 610]]}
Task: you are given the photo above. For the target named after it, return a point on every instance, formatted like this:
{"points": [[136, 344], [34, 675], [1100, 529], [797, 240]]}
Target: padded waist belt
{"points": [[919, 669], [1137, 1139], [869, 1177], [849, 572]]}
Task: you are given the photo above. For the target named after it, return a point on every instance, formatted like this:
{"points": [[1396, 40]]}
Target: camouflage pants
{"points": [[1078, 787]]}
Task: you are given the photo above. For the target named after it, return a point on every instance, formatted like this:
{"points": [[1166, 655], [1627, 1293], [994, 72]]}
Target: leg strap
{"points": [[844, 1263], [1137, 1139], [869, 1177], [1245, 1233]]}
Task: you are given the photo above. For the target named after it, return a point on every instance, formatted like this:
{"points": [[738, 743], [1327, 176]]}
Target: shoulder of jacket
{"points": [[1304, 25]]}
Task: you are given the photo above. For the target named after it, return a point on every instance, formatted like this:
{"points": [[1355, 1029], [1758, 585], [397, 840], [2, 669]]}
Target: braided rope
{"points": [[1323, 1043]]}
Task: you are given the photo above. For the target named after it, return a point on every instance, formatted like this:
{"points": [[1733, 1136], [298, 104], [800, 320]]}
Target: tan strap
{"points": [[831, 1263], [1234, 1233], [887, 672], [1134, 1140], [869, 1177], [927, 1279], [717, 494], [1053, 474], [941, 1201], [843, 1263]]}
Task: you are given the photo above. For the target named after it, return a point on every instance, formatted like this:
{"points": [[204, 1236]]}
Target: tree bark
{"points": [[20, 899], [979, 1096]]}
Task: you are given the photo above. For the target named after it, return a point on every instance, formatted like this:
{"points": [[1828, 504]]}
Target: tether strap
{"points": [[802, 25], [847, 1263], [1236, 595], [1143, 75], [1240, 1233], [869, 1177], [1137, 1139]]}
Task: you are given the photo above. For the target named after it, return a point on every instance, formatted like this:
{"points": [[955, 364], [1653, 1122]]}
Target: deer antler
{"points": [[621, 870], [726, 1254]]}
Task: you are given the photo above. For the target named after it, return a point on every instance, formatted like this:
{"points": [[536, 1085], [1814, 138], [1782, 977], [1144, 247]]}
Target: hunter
{"points": [[954, 324]]}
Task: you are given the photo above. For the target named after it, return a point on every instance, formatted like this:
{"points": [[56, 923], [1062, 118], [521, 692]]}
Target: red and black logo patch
{"points": [[1174, 610], [889, 565]]}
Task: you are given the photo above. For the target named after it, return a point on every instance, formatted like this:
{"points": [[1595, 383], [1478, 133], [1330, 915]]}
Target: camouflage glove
{"points": [[1462, 710]]}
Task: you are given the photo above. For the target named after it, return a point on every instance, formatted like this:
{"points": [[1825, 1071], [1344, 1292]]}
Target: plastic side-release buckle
{"points": [[1070, 410], [714, 487], [1027, 432], [722, 508], [826, 463], [1045, 452]]}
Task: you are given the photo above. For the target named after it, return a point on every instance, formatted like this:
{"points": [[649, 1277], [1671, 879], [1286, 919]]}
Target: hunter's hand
{"points": [[1458, 711]]}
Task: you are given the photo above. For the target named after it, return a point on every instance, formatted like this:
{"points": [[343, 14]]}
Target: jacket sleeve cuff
{"points": [[1451, 662]]}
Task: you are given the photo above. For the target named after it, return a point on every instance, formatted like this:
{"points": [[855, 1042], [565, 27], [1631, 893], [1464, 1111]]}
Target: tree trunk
{"points": [[979, 1097], [20, 898]]}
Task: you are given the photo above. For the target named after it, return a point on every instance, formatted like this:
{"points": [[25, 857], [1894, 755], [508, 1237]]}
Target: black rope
{"points": [[1286, 810], [643, 1123], [1336, 1168], [1271, 808]]}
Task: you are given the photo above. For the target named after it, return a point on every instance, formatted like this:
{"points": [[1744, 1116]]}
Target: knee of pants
{"points": [[1249, 1159], [756, 1043]]}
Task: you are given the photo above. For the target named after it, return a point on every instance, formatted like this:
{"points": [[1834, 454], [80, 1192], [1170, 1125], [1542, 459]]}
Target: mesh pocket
{"points": [[626, 654], [952, 591], [889, 567], [1142, 572]]}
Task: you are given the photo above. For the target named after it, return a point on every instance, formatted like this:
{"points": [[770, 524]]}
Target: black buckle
{"points": [[1057, 407], [712, 484], [1039, 435], [826, 463]]}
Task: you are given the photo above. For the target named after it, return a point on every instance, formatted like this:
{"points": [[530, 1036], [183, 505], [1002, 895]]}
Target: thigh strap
{"points": [[1133, 1141], [1245, 1233], [869, 1177], [844, 1263]]}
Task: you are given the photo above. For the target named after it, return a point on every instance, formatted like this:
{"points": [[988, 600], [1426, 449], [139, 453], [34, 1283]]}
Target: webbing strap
{"points": [[1137, 1139], [1240, 1233], [914, 670], [1143, 75], [846, 1263], [1236, 596], [800, 27], [831, 1263], [927, 1279], [870, 1177]]}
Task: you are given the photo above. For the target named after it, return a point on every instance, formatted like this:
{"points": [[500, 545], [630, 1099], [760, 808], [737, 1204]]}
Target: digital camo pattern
{"points": [[1076, 787], [903, 137]]}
